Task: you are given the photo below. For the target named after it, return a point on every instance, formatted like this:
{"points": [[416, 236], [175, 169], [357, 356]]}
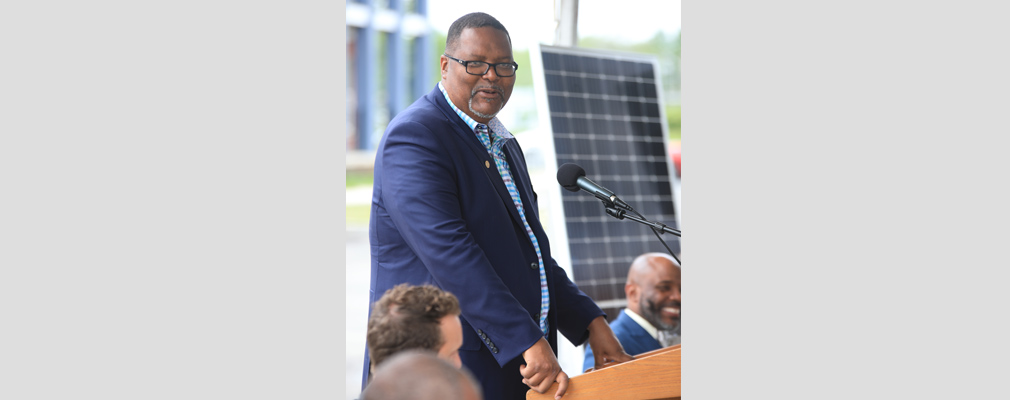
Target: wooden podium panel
{"points": [[650, 376]]}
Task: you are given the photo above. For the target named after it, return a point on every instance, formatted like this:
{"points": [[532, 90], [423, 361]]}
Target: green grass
{"points": [[358, 178], [357, 214], [673, 121]]}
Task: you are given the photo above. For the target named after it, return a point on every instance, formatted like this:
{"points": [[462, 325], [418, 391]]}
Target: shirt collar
{"points": [[645, 324]]}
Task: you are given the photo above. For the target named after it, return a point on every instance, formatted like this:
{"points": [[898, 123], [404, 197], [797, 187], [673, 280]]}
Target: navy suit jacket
{"points": [[633, 337], [441, 215]]}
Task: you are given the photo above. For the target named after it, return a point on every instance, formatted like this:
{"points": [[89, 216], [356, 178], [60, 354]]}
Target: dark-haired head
{"points": [[472, 20]]}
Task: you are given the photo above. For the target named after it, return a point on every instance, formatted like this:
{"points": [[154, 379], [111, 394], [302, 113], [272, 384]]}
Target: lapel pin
{"points": [[487, 164]]}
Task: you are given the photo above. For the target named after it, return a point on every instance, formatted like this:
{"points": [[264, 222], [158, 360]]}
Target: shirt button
{"points": [[533, 265]]}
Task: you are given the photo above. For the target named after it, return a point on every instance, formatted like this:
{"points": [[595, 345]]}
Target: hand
{"points": [[542, 369], [605, 345]]}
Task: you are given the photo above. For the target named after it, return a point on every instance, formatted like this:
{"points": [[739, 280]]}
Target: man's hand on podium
{"points": [[605, 345], [542, 369]]}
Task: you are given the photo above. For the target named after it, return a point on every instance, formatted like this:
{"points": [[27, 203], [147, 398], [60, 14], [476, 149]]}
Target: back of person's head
{"points": [[415, 375], [472, 20], [409, 317]]}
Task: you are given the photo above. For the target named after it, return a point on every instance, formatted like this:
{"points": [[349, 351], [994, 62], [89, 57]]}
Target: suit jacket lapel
{"points": [[638, 333]]}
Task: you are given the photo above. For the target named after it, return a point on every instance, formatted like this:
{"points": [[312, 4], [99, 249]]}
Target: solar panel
{"points": [[605, 113]]}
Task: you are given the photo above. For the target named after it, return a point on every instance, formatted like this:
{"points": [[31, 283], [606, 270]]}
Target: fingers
{"points": [[545, 384], [598, 359], [541, 368], [562, 380], [528, 375], [622, 357], [538, 379], [605, 358]]}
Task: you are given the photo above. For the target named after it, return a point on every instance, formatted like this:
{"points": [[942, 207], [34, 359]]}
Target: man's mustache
{"points": [[499, 89]]}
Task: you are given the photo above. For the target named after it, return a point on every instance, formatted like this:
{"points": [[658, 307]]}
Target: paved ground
{"points": [[357, 271]]}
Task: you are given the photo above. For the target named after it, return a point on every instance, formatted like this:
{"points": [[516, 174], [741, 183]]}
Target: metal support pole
{"points": [[422, 51], [396, 82], [367, 41], [566, 16]]}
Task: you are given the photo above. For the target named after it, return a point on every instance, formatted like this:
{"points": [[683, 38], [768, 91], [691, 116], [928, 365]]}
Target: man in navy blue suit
{"points": [[652, 319], [452, 206]]}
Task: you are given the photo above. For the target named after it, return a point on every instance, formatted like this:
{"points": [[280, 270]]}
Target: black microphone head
{"points": [[569, 174]]}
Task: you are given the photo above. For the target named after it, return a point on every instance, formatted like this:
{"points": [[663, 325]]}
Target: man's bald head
{"points": [[418, 375], [653, 289]]}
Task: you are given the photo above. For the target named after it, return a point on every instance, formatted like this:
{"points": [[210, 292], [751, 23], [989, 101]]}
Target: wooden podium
{"points": [[650, 376]]}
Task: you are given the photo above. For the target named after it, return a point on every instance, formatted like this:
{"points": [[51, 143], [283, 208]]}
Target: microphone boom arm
{"points": [[621, 214], [656, 227]]}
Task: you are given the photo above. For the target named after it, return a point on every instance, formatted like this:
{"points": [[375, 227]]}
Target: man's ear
{"points": [[631, 291], [445, 66]]}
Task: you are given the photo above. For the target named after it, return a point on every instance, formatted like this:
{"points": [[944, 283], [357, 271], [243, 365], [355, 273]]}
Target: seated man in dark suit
{"points": [[652, 319]]}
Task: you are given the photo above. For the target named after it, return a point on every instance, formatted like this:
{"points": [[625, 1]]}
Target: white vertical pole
{"points": [[566, 16]]}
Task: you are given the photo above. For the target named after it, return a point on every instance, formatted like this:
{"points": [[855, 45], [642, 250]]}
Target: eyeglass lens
{"points": [[480, 68]]}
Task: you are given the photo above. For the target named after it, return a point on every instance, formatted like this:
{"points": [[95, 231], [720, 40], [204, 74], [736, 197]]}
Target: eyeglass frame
{"points": [[515, 66]]}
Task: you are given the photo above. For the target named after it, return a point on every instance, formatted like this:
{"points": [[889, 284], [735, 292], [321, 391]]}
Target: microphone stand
{"points": [[617, 212], [620, 214]]}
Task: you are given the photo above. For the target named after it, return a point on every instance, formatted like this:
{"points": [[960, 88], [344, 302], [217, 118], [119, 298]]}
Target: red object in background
{"points": [[674, 149]]}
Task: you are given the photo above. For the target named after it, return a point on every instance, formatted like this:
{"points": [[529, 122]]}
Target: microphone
{"points": [[572, 177]]}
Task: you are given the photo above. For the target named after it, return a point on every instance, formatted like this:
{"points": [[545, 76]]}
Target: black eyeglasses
{"points": [[503, 70]]}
